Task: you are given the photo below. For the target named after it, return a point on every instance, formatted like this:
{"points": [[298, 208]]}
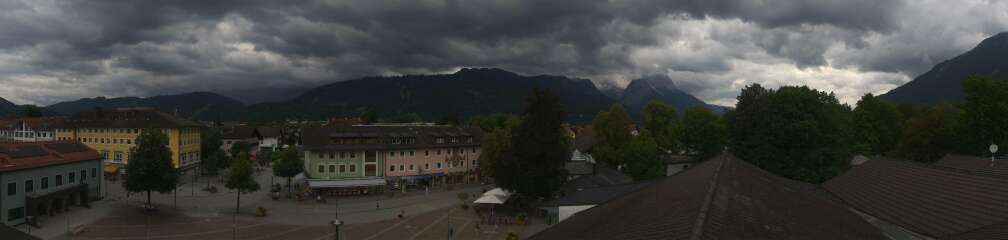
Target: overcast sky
{"points": [[54, 51]]}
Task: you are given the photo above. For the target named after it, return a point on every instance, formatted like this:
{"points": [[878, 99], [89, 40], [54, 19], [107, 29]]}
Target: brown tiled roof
{"points": [[239, 132], [979, 165], [317, 138], [126, 118], [269, 132], [929, 200], [997, 231], [42, 123], [17, 156], [723, 198]]}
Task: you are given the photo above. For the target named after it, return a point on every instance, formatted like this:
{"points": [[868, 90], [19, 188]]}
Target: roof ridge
{"points": [[701, 219]]}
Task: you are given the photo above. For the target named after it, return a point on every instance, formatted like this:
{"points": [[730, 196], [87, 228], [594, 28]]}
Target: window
{"points": [[342, 168], [321, 168], [474, 162], [411, 167], [391, 169], [83, 175], [44, 184], [94, 172], [70, 177], [352, 155], [332, 168], [474, 150], [402, 167], [319, 155], [59, 180], [391, 154], [342, 155], [439, 165], [332, 155], [426, 153], [15, 213], [402, 153], [353, 168], [29, 186], [11, 188], [438, 152], [118, 156], [411, 153]]}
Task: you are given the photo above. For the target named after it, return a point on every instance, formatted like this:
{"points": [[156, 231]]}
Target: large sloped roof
{"points": [[723, 198], [929, 200], [18, 156]]}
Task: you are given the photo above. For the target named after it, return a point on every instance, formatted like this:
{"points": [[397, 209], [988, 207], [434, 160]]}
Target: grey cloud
{"points": [[156, 47]]}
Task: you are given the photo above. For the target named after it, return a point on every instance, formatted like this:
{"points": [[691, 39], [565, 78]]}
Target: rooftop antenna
{"points": [[993, 149]]}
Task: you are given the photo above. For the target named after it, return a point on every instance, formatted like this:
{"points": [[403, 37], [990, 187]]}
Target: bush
{"points": [[512, 236], [261, 212]]}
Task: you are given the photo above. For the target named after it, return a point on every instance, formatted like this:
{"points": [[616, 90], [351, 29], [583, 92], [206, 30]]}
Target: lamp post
{"points": [[993, 149], [336, 224]]}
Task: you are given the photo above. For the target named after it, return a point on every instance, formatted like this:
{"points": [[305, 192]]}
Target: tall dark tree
{"points": [[795, 132], [210, 147], [985, 118], [534, 167], [240, 178], [613, 131], [878, 125], [930, 135], [31, 111], [703, 133], [150, 165], [288, 164], [662, 121], [641, 158]]}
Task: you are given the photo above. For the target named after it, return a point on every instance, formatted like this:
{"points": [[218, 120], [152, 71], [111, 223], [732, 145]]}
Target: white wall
{"points": [[567, 211]]}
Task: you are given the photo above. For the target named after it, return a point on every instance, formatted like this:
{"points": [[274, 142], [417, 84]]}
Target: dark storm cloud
{"points": [[150, 47]]}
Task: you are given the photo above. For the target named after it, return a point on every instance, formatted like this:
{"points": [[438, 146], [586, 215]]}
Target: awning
{"points": [[497, 192], [346, 183], [110, 169], [489, 199]]}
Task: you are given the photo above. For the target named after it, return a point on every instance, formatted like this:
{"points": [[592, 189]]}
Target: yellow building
{"points": [[112, 133]]}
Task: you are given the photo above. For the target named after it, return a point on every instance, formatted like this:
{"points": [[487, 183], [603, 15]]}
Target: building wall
{"points": [[115, 143], [424, 161], [95, 183], [567, 211], [23, 133], [269, 142], [352, 163]]}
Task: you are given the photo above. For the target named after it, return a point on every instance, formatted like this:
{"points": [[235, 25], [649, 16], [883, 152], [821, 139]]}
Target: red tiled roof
{"points": [[723, 198], [929, 200], [18, 156]]}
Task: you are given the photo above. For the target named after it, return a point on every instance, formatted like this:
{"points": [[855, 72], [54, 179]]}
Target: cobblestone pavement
{"points": [[197, 214], [134, 223]]}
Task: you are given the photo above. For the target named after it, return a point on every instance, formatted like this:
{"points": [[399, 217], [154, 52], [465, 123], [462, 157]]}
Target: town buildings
{"points": [[43, 178], [234, 135], [28, 129], [269, 139], [366, 158], [112, 133]]}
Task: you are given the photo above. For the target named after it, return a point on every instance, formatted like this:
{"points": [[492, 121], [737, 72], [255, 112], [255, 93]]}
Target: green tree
{"points": [[240, 178], [612, 130], [150, 165], [489, 123], [703, 133], [540, 148], [287, 164], [878, 125], [985, 118], [495, 145], [930, 136], [31, 111], [662, 121], [641, 157], [795, 132]]}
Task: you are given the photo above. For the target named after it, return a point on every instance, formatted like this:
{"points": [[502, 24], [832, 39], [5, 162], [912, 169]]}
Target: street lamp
{"points": [[336, 224], [993, 149]]}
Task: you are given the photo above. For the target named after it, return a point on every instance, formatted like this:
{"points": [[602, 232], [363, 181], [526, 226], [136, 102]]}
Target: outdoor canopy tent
{"points": [[498, 192], [489, 199]]}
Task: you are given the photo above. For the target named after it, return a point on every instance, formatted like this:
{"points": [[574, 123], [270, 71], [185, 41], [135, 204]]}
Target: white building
{"points": [[29, 129]]}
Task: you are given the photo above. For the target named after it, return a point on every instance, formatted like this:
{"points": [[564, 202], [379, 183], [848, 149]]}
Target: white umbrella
{"points": [[489, 199]]}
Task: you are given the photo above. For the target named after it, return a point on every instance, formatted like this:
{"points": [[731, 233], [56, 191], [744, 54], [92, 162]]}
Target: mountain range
{"points": [[7, 108], [470, 91], [195, 105], [943, 83], [656, 88]]}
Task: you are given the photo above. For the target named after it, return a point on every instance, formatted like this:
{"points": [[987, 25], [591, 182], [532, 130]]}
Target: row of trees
{"points": [[808, 135], [699, 134], [150, 167]]}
